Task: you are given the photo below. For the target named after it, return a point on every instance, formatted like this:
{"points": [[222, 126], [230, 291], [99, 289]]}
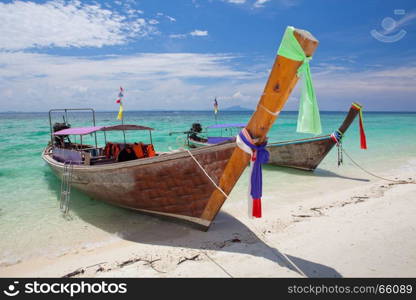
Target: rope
{"points": [[263, 238], [260, 238], [221, 267], [340, 157], [203, 170], [372, 174], [269, 111]]}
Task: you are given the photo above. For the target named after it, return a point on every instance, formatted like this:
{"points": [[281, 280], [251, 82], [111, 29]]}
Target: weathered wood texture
{"points": [[282, 80], [171, 183], [306, 154], [352, 114]]}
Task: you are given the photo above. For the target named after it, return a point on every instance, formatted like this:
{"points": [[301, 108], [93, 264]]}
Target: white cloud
{"points": [[178, 36], [236, 1], [199, 33], [377, 88], [260, 3], [192, 33], [343, 81], [237, 95], [171, 18], [65, 24], [31, 81], [160, 14], [134, 12]]}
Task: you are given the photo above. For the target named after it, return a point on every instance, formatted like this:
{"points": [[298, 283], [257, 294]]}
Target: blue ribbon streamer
{"points": [[262, 157]]}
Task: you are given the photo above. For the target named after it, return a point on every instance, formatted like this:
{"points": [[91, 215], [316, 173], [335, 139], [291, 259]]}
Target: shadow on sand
{"points": [[317, 173], [225, 234]]}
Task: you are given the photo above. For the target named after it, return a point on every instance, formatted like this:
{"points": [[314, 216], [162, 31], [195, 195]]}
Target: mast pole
{"points": [[122, 124], [216, 112], [282, 79]]}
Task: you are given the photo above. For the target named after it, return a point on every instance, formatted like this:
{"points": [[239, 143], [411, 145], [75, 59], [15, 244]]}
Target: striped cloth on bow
{"points": [[336, 136], [259, 155]]}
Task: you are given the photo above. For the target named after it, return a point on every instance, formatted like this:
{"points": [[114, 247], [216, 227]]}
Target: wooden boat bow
{"points": [[282, 79], [307, 154], [185, 185]]}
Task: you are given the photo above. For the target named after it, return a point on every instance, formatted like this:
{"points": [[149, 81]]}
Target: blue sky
{"points": [[181, 54]]}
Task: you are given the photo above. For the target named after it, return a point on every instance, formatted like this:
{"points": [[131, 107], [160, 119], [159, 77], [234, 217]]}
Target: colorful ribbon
{"points": [[308, 119], [363, 139], [259, 155], [336, 136]]}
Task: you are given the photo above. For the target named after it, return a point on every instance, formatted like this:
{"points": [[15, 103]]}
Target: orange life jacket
{"points": [[137, 148], [150, 151], [116, 150], [107, 150]]}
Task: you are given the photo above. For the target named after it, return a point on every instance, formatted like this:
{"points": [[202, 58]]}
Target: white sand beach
{"points": [[344, 227]]}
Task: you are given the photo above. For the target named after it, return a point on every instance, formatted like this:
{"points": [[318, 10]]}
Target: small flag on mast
{"points": [[215, 106], [119, 100]]}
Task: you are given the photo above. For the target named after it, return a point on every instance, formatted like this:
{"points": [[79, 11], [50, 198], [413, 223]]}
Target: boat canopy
{"points": [[231, 125], [125, 127], [91, 129], [78, 130]]}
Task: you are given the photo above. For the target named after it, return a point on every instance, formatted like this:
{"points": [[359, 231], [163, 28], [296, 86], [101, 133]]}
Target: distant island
{"points": [[237, 108]]}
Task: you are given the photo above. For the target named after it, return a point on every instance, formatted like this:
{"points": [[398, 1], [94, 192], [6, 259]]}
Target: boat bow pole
{"points": [[282, 79]]}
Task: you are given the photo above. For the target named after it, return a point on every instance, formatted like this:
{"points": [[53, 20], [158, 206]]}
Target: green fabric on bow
{"points": [[308, 118]]}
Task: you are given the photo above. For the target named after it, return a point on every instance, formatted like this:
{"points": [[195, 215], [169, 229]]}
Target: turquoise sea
{"points": [[30, 220]]}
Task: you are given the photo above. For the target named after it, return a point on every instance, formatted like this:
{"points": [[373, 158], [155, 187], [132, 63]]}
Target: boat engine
{"points": [[60, 139], [196, 127]]}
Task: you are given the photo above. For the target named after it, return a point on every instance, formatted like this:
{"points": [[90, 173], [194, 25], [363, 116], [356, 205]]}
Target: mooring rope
{"points": [[259, 235], [372, 174], [209, 177], [221, 267]]}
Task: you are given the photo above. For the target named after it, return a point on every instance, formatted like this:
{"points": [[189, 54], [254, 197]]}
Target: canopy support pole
{"points": [[95, 133]]}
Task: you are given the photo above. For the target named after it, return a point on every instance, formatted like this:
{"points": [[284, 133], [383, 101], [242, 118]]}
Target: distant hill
{"points": [[237, 108]]}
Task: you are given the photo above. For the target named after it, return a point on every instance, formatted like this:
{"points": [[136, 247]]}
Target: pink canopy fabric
{"points": [[78, 130], [91, 129]]}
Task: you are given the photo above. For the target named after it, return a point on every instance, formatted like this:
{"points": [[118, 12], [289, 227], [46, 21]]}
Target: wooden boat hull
{"points": [[195, 144], [174, 185], [303, 154], [306, 154], [171, 185]]}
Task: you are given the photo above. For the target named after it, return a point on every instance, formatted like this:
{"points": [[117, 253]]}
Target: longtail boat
{"points": [[198, 136], [188, 185], [307, 154]]}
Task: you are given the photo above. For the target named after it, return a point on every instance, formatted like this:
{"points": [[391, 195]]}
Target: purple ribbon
{"points": [[262, 157]]}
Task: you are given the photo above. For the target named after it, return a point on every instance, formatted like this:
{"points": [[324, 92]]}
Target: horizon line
{"points": [[203, 110]]}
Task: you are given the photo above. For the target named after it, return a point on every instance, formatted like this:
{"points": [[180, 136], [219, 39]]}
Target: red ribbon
{"points": [[257, 208], [363, 139]]}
